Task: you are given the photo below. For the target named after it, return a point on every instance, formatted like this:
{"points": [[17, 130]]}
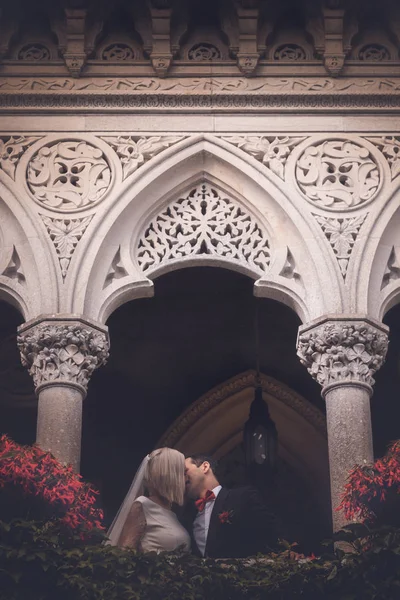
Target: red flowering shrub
{"points": [[371, 489], [35, 483]]}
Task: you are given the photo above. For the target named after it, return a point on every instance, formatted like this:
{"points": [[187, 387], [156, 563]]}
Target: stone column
{"points": [[61, 352], [342, 354]]}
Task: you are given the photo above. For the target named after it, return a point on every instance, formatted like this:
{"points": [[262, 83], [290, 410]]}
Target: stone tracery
{"points": [[204, 222]]}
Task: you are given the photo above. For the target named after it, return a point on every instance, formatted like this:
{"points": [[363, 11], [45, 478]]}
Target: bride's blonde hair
{"points": [[165, 474]]}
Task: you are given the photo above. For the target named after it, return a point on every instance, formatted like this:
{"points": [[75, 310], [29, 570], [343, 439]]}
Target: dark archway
{"points": [[166, 352]]}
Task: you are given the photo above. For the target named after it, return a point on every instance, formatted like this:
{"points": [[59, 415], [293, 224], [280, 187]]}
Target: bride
{"points": [[146, 522]]}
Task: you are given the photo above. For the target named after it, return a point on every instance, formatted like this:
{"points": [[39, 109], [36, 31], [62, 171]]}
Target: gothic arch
{"points": [[106, 272], [214, 424]]}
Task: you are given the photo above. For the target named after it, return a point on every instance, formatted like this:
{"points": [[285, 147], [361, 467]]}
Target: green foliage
{"points": [[37, 564]]}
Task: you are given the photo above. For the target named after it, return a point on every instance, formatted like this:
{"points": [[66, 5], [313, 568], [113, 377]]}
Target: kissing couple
{"points": [[219, 523]]}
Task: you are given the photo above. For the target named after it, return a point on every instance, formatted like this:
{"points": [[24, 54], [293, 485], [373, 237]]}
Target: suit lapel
{"points": [[212, 530]]}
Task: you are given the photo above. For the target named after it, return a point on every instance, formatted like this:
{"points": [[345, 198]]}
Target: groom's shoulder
{"points": [[243, 490]]}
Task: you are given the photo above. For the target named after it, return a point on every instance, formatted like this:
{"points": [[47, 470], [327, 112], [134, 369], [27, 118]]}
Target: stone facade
{"points": [[262, 144]]}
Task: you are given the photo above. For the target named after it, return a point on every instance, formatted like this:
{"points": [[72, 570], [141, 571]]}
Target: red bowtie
{"points": [[201, 502]]}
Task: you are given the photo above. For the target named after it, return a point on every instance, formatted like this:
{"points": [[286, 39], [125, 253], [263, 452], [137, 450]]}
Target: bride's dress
{"points": [[163, 530]]}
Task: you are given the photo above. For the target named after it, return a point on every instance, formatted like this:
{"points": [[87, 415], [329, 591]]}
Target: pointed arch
{"points": [[301, 269]]}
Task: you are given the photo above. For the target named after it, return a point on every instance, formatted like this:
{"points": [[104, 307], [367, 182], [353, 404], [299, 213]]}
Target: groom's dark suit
{"points": [[251, 528]]}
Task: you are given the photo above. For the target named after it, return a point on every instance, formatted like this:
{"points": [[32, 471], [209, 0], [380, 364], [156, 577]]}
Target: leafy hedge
{"points": [[37, 565], [52, 546]]}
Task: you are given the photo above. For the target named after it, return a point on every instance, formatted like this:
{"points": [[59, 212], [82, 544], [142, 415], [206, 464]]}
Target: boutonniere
{"points": [[225, 516]]}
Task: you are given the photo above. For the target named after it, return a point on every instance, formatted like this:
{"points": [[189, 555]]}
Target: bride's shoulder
{"points": [[141, 499]]}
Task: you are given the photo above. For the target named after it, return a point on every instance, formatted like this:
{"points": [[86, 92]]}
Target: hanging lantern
{"points": [[260, 437]]}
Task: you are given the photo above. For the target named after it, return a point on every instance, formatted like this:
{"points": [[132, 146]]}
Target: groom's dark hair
{"points": [[198, 460]]}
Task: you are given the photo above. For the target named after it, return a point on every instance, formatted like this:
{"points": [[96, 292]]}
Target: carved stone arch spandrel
{"points": [[296, 252]]}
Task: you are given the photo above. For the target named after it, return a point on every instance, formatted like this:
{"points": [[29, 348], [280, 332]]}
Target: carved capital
{"points": [[161, 63], [62, 351], [247, 62], [334, 63], [339, 351]]}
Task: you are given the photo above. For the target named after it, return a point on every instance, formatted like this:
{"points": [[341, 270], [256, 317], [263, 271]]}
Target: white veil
{"points": [[134, 492]]}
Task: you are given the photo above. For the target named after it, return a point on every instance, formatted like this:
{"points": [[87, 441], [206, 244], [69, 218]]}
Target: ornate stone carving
{"points": [[204, 51], [247, 62], [116, 270], [374, 53], [74, 63], [161, 63], [342, 235], [65, 235], [152, 94], [289, 268], [290, 52], [334, 63], [118, 53], [68, 175], [62, 353], [342, 351], [389, 145], [270, 150], [392, 271], [13, 269], [338, 174], [11, 150], [204, 222], [133, 151], [34, 52]]}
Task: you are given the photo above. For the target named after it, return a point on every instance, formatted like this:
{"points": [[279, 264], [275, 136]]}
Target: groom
{"points": [[229, 523]]}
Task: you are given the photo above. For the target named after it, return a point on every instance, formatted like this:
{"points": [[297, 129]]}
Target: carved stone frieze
{"points": [[270, 150], [68, 175], [65, 235], [62, 352], [217, 93], [389, 145], [340, 351], [204, 222], [133, 151], [338, 174], [11, 150], [341, 234]]}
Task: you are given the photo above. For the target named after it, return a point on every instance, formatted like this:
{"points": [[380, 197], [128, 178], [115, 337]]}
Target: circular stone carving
{"points": [[34, 52], [290, 52], [338, 174], [204, 51], [374, 53], [68, 175], [118, 53]]}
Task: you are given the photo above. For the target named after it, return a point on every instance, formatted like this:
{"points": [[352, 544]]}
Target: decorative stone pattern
{"points": [[11, 150], [338, 174], [62, 353], [204, 222], [34, 52], [270, 150], [374, 53], [118, 53], [389, 145], [133, 151], [290, 52], [342, 235], [392, 271], [342, 351], [65, 235], [204, 51], [68, 175]]}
